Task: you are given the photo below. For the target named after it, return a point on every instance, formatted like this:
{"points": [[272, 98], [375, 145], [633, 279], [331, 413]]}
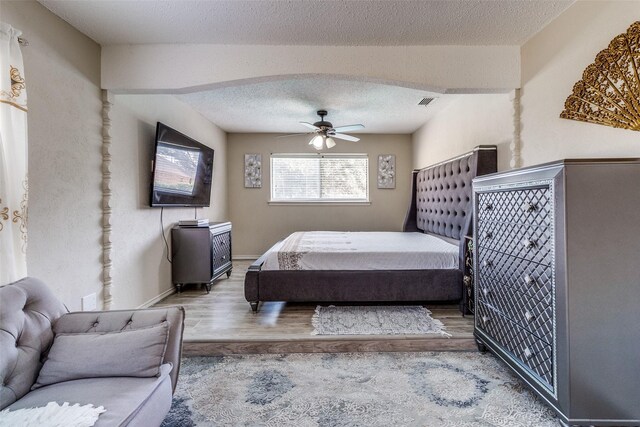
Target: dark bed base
{"points": [[440, 205], [351, 285]]}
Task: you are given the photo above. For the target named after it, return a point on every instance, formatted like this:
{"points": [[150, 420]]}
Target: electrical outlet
{"points": [[89, 302]]}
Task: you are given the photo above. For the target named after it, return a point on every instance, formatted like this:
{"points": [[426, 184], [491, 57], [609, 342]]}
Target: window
{"points": [[319, 178]]}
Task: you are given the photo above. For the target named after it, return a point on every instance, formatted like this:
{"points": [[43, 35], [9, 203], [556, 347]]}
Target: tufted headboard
{"points": [[441, 201]]}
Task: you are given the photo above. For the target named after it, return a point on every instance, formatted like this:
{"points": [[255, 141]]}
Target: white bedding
{"points": [[336, 250]]}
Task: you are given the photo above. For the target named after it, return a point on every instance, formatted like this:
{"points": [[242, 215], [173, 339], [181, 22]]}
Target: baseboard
{"points": [[246, 257], [156, 299]]}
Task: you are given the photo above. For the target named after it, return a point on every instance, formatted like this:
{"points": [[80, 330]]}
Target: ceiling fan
{"points": [[325, 132]]}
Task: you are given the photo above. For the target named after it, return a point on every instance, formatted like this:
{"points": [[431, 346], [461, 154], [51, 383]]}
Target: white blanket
{"points": [[334, 250], [52, 415]]}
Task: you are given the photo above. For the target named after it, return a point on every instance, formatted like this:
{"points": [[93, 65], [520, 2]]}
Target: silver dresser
{"points": [[557, 283]]}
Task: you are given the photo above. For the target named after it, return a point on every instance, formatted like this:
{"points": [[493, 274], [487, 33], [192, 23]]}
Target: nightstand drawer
{"points": [[221, 250]]}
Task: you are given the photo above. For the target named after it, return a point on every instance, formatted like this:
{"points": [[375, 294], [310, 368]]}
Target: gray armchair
{"points": [[31, 317]]}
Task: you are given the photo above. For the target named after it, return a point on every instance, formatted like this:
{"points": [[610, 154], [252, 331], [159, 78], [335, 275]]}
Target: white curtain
{"points": [[13, 158]]}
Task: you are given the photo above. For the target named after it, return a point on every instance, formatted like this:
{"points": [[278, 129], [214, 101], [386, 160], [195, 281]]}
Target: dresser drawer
{"points": [[527, 241], [520, 206], [529, 279], [522, 291], [534, 354]]}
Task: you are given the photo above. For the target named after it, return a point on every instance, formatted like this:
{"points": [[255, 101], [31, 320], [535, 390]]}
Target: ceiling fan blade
{"points": [[345, 137], [310, 126], [293, 134], [349, 128]]}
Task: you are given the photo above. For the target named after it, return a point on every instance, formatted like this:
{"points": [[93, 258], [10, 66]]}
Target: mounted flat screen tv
{"points": [[182, 170]]}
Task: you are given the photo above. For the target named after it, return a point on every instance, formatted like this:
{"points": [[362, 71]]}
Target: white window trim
{"points": [[318, 202]]}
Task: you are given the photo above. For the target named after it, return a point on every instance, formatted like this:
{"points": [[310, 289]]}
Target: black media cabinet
{"points": [[200, 254]]}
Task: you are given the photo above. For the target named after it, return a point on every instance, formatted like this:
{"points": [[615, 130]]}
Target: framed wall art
{"points": [[387, 171], [253, 170]]}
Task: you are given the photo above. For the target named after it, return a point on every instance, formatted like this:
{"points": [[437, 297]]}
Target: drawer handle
{"points": [[530, 207], [222, 258], [488, 207], [528, 243], [488, 235], [529, 280], [528, 354], [485, 292], [485, 319], [528, 316], [487, 263]]}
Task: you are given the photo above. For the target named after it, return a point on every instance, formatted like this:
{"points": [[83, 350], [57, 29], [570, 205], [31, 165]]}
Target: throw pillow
{"points": [[130, 353]]}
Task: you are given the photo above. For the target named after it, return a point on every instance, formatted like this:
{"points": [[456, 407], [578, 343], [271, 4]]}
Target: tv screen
{"points": [[182, 170]]}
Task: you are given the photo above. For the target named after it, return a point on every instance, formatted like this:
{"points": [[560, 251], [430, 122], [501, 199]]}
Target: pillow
{"points": [[130, 353]]}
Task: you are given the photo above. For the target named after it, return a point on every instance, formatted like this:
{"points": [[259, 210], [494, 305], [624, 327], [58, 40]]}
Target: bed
{"points": [[440, 211]]}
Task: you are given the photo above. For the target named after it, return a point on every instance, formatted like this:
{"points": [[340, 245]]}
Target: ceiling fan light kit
{"points": [[317, 142], [320, 141], [324, 132]]}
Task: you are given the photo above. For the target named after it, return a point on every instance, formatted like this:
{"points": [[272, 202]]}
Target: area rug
{"points": [[375, 320], [447, 389]]}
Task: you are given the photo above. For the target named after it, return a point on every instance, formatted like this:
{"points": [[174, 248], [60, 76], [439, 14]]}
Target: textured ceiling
{"points": [[309, 22], [278, 106]]}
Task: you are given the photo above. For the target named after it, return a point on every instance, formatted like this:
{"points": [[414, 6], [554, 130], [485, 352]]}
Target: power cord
{"points": [[166, 244]]}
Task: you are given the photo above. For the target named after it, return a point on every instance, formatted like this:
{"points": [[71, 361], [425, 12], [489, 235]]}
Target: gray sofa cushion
{"points": [[27, 310], [123, 320], [129, 353], [129, 401]]}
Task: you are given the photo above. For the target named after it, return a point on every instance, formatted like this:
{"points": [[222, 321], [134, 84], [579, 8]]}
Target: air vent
{"points": [[426, 101]]}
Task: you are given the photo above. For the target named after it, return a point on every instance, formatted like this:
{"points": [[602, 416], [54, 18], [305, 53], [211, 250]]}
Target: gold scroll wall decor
{"points": [[609, 92]]}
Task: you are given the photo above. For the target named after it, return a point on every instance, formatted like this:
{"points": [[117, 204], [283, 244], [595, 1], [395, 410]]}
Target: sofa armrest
{"points": [[122, 320]]}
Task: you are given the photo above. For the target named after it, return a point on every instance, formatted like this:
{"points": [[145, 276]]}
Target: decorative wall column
{"points": [[107, 102], [516, 143]]}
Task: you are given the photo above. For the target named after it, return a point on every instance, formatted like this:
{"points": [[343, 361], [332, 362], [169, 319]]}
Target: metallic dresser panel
{"points": [[535, 354], [520, 289], [557, 286], [517, 222], [515, 284]]}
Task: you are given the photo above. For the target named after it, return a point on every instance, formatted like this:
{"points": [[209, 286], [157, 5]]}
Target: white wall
{"points": [[141, 271], [258, 225], [468, 121], [62, 72], [552, 62], [161, 67]]}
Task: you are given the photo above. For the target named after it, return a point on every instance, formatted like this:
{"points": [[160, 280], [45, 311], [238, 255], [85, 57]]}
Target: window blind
{"points": [[312, 177]]}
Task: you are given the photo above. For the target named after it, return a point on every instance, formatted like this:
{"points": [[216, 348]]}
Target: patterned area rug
{"points": [[375, 320], [353, 389]]}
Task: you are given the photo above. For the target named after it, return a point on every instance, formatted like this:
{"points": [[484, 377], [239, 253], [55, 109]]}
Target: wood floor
{"points": [[222, 322]]}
